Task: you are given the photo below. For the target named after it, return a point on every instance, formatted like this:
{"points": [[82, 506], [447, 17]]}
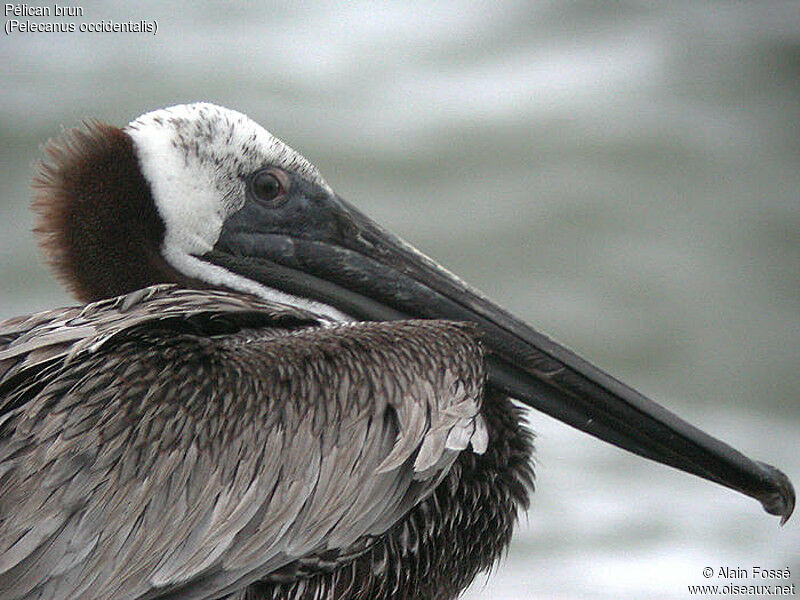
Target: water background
{"points": [[625, 176]]}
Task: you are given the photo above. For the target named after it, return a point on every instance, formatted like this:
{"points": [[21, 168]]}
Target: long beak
{"points": [[367, 273]]}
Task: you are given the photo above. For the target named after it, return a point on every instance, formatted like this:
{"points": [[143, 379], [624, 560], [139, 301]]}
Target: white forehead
{"points": [[196, 158], [209, 133]]}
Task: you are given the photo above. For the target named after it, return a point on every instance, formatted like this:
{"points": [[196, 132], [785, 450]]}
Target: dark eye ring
{"points": [[268, 185]]}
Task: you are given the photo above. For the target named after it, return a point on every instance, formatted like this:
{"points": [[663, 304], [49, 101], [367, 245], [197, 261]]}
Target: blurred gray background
{"points": [[622, 175]]}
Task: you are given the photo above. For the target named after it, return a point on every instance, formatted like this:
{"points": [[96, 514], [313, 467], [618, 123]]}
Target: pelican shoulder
{"points": [[177, 441]]}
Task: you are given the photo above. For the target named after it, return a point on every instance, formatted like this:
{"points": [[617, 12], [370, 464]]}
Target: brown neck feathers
{"points": [[98, 224]]}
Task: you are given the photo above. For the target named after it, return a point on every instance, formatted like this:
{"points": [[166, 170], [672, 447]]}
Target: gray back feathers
{"points": [[177, 443]]}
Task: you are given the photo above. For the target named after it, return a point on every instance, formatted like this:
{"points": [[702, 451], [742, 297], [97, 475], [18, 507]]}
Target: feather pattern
{"points": [[184, 443]]}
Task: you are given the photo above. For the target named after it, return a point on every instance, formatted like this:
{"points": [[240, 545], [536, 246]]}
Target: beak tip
{"points": [[780, 499]]}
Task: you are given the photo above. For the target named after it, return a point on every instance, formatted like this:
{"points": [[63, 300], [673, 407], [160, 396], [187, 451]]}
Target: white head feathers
{"points": [[196, 158]]}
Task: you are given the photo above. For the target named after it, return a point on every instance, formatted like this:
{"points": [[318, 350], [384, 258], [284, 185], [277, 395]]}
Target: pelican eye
{"points": [[268, 185]]}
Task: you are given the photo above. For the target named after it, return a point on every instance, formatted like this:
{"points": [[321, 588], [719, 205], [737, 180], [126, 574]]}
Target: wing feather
{"points": [[179, 443]]}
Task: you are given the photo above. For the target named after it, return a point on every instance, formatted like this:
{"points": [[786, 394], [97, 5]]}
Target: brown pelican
{"points": [[270, 396]]}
